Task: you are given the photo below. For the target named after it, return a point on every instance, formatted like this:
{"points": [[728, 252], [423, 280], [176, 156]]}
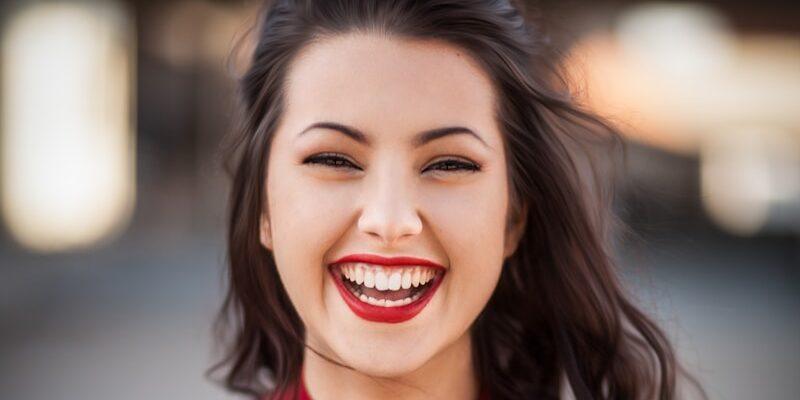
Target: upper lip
{"points": [[388, 261]]}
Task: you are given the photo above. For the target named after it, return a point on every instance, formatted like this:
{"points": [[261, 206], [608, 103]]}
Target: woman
{"points": [[407, 222]]}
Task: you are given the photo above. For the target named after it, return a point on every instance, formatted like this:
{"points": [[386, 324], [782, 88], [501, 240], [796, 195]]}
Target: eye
{"points": [[335, 160], [331, 160], [454, 165]]}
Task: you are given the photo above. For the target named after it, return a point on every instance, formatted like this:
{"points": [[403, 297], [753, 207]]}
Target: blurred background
{"points": [[112, 194]]}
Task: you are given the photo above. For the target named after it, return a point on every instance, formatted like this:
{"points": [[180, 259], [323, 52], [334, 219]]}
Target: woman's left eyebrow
{"points": [[419, 140]]}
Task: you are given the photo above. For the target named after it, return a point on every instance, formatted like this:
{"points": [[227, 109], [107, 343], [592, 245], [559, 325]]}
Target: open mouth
{"points": [[386, 293]]}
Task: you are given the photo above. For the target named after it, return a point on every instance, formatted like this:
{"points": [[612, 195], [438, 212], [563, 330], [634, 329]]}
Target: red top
{"points": [[303, 393]]}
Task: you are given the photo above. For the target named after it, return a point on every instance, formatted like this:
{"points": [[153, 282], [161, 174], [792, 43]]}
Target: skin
{"points": [[391, 201]]}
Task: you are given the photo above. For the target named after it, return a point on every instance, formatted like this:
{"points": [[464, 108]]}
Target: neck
{"points": [[448, 375]]}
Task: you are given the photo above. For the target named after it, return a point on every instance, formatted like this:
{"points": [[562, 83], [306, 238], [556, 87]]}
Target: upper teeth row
{"points": [[382, 279]]}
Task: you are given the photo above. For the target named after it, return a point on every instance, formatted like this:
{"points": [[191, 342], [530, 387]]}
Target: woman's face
{"points": [[444, 200]]}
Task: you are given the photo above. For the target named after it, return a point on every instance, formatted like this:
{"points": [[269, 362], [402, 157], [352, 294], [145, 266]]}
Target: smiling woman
{"points": [[406, 221]]}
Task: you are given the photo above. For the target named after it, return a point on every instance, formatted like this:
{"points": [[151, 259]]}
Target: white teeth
{"points": [[430, 274], [388, 303], [406, 279], [369, 278], [395, 281], [359, 274], [381, 280]]}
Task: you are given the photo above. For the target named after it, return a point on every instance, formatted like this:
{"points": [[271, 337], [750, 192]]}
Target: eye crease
{"points": [[336, 161]]}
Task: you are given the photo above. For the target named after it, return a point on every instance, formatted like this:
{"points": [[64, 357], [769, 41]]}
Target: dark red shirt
{"points": [[302, 394]]}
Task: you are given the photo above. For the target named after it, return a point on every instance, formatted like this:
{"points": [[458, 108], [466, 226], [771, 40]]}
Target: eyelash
{"points": [[341, 162]]}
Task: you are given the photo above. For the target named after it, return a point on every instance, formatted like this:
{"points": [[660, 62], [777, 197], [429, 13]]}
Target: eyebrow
{"points": [[418, 140]]}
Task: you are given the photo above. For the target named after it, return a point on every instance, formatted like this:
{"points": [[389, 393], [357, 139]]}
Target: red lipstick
{"points": [[376, 313]]}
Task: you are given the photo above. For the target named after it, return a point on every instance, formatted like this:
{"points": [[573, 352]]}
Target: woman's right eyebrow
{"points": [[419, 140]]}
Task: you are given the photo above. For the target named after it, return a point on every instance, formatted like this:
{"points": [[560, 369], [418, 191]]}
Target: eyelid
{"points": [[453, 157], [329, 154]]}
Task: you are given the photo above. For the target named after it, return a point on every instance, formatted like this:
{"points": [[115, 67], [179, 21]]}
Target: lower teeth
{"points": [[386, 303]]}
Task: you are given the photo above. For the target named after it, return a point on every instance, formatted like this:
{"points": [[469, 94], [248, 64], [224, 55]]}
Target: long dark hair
{"points": [[558, 309]]}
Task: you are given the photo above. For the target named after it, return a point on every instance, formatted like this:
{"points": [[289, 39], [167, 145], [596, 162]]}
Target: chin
{"points": [[385, 369], [386, 364]]}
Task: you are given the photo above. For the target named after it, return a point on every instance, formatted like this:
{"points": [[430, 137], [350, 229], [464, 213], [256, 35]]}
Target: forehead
{"points": [[389, 85]]}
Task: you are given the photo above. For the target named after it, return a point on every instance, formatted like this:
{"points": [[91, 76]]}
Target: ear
{"points": [[514, 231], [265, 232]]}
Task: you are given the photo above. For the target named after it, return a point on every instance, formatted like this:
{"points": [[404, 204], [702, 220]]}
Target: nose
{"points": [[389, 210]]}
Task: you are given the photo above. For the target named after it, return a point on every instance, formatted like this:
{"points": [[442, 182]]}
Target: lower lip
{"points": [[391, 315]]}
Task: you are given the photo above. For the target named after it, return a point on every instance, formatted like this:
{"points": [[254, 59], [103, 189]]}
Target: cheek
{"points": [[470, 223], [470, 220], [307, 214], [307, 218]]}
